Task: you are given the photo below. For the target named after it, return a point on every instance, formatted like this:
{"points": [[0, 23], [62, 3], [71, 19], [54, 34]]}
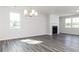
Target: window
{"points": [[68, 22], [75, 22], [72, 22], [14, 20]]}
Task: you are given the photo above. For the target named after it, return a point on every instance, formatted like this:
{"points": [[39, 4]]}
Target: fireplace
{"points": [[54, 29]]}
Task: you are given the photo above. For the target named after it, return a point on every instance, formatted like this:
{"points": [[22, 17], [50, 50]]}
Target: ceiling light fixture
{"points": [[30, 13]]}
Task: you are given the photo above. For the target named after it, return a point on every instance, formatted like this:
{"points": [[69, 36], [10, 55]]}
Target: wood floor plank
{"points": [[56, 43]]}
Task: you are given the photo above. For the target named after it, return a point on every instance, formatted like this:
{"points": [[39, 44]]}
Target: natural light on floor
{"points": [[32, 41]]}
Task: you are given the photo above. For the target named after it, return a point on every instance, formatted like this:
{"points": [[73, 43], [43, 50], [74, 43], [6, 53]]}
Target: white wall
{"points": [[30, 26], [54, 21], [67, 30]]}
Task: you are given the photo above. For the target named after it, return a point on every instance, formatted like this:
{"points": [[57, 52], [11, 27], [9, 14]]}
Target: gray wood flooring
{"points": [[56, 43]]}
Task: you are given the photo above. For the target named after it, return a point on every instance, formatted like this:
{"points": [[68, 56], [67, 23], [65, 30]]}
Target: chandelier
{"points": [[30, 13]]}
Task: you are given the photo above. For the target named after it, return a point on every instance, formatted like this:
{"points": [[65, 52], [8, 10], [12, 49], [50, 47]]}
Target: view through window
{"points": [[14, 20], [72, 22]]}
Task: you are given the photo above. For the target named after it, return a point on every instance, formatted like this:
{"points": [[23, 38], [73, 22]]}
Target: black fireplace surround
{"points": [[54, 29]]}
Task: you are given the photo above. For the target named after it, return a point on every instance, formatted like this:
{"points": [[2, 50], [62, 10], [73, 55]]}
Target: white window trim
{"points": [[14, 27], [71, 23]]}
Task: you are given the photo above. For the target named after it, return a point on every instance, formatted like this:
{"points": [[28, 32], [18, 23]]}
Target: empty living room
{"points": [[39, 28]]}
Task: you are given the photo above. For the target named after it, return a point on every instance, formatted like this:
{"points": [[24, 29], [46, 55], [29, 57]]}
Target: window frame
{"points": [[18, 21], [71, 22], [66, 23], [75, 22]]}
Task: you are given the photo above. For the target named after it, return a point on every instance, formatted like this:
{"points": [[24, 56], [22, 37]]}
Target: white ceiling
{"points": [[58, 10]]}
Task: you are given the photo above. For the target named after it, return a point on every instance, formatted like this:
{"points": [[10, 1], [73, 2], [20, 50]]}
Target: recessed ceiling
{"points": [[58, 10]]}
